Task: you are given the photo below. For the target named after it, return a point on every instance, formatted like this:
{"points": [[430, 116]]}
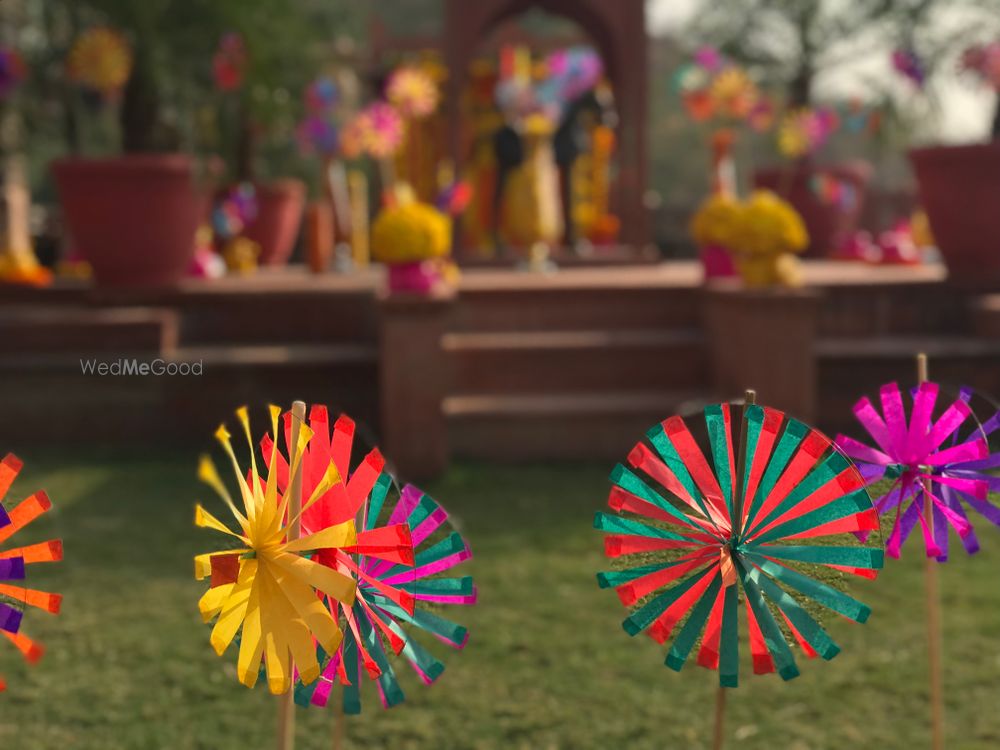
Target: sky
{"points": [[965, 109]]}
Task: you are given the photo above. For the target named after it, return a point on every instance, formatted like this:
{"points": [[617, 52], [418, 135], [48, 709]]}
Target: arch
{"points": [[618, 28]]}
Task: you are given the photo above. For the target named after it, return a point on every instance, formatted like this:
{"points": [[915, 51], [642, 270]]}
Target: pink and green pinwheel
{"points": [[396, 566], [799, 503], [946, 458]]}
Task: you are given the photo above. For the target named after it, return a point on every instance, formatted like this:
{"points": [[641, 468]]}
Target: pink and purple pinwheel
{"points": [[947, 458]]}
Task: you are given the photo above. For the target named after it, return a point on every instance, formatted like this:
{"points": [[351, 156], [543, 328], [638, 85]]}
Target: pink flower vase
{"points": [[418, 277], [717, 262]]}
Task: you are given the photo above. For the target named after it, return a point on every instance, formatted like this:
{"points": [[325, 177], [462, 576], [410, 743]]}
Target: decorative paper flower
{"points": [[573, 72], [317, 135], [907, 64], [267, 588], [322, 95], [733, 93], [412, 92], [762, 114], [410, 232], [699, 567], [381, 129], [14, 562], [390, 586], [352, 137], [229, 62], [236, 209], [946, 458], [804, 131], [12, 71], [708, 58], [454, 198], [101, 60]]}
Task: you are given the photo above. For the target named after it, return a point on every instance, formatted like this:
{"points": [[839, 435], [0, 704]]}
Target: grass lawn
{"points": [[548, 665]]}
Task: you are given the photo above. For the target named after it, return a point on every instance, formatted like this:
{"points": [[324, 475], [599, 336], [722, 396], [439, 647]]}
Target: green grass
{"points": [[548, 665]]}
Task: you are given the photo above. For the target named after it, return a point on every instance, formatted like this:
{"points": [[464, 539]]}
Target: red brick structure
{"points": [[618, 29]]}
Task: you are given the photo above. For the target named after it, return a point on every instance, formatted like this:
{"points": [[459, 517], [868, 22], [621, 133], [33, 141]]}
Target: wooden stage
{"points": [[515, 365]]}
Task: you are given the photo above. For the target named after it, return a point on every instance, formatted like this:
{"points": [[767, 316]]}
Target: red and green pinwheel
{"points": [[797, 503], [944, 459], [397, 568], [14, 564]]}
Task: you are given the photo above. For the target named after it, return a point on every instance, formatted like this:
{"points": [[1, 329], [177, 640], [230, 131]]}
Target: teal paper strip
{"points": [[423, 509], [643, 617], [619, 525], [303, 692], [673, 460], [376, 500], [450, 545], [446, 629], [391, 690], [853, 557], [447, 586], [818, 591], [718, 438], [774, 639], [352, 692], [808, 628], [420, 658], [816, 478], [795, 432], [630, 482], [681, 648], [613, 578], [842, 507], [754, 415], [729, 640]]}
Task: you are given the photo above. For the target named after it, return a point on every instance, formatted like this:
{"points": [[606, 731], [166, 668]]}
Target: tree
{"points": [[796, 42]]}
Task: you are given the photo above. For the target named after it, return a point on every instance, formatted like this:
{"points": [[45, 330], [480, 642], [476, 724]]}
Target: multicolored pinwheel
{"points": [[798, 502], [947, 459], [391, 580], [13, 564], [266, 588]]}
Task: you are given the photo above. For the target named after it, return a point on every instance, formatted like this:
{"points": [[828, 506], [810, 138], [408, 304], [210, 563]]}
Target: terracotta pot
{"points": [[133, 217], [960, 191], [829, 224], [279, 216]]}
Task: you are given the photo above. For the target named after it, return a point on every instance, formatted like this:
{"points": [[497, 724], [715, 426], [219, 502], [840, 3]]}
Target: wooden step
{"points": [[66, 332], [575, 361], [601, 426]]}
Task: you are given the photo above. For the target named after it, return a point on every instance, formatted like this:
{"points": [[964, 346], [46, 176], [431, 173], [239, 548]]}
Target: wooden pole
{"points": [[338, 726], [750, 398], [286, 702], [934, 638]]}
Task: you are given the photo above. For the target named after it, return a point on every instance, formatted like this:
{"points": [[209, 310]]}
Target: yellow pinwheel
{"points": [[266, 588]]}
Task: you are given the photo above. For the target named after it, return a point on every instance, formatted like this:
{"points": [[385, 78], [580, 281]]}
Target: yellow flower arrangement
{"points": [[410, 232], [770, 230], [718, 221], [769, 225], [100, 59], [732, 93]]}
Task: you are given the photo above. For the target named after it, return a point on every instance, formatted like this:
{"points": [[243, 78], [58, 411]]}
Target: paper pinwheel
{"points": [[266, 589], [948, 458], [797, 501], [14, 562], [392, 582]]}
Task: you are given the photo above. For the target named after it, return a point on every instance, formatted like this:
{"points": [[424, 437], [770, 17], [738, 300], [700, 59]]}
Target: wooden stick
{"points": [[934, 638], [338, 726], [720, 718], [750, 398], [286, 702]]}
